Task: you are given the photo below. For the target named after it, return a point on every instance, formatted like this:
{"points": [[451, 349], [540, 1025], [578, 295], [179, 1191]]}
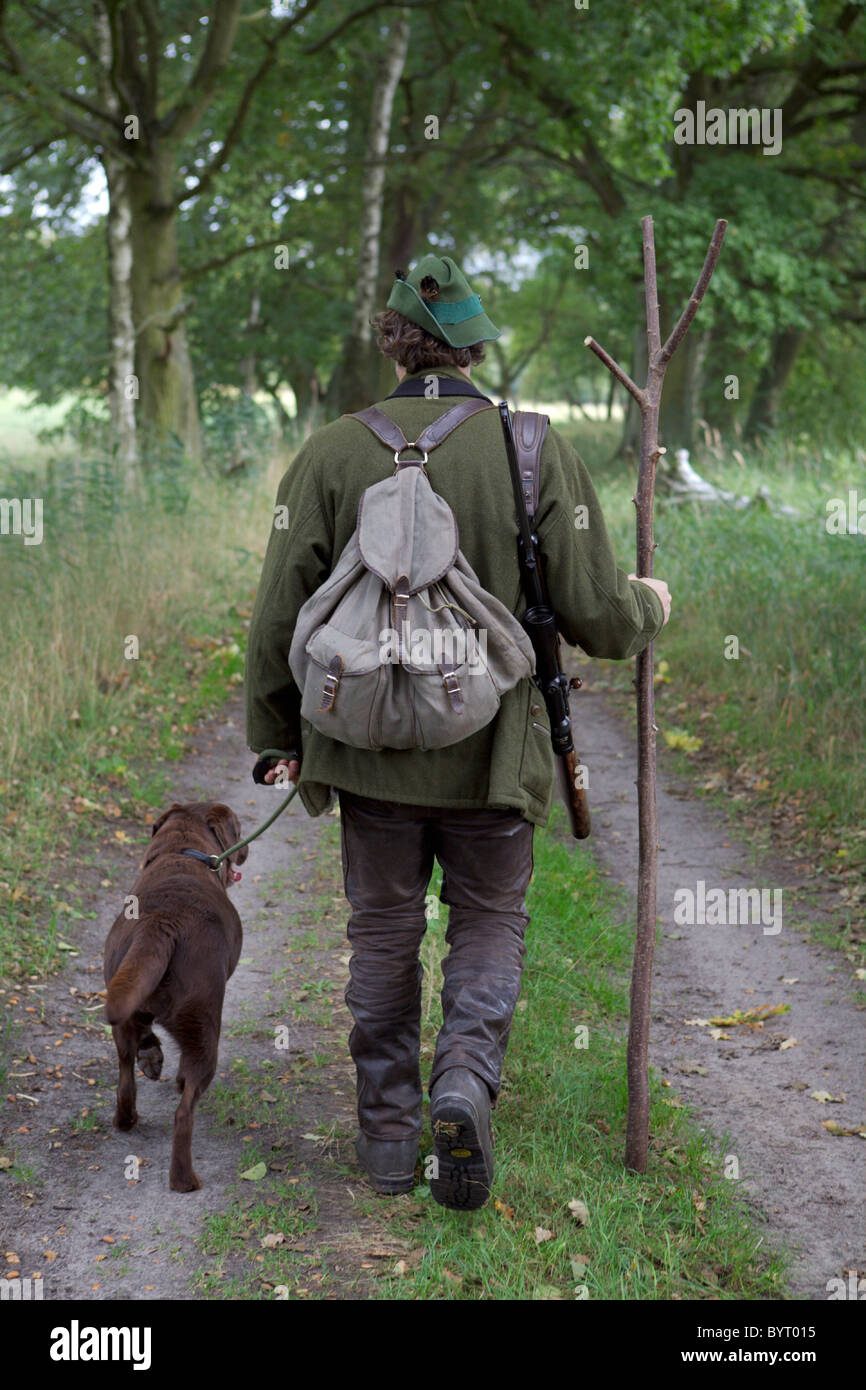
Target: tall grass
{"points": [[173, 568], [793, 705]]}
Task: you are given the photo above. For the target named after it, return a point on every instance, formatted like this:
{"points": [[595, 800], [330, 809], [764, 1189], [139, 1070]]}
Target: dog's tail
{"points": [[142, 967]]}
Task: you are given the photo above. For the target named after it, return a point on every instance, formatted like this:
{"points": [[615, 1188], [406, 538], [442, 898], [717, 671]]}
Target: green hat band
{"points": [[455, 313]]}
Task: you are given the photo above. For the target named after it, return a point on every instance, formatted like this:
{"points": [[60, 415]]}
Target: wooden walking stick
{"points": [[649, 400]]}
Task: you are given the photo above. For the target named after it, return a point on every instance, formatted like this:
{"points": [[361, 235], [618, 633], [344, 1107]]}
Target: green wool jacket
{"points": [[510, 762]]}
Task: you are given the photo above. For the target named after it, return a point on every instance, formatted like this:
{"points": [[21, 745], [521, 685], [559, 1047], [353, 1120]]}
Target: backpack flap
{"points": [[406, 531]]}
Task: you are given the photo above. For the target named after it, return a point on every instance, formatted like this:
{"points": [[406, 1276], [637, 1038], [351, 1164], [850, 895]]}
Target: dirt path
{"points": [[75, 1208], [71, 1208], [805, 1186]]}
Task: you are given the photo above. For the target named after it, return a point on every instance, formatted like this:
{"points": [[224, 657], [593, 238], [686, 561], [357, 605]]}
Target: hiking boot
{"points": [[388, 1163], [462, 1140]]}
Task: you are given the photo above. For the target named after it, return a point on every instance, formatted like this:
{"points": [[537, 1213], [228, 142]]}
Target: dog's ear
{"points": [[226, 826], [158, 824]]}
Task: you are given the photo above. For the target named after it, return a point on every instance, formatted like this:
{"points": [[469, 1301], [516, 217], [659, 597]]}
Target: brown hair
{"points": [[413, 347]]}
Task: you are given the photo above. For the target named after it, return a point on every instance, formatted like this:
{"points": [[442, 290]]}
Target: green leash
{"points": [[214, 861]]}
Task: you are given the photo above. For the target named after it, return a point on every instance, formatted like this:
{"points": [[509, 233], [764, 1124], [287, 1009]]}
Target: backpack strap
{"points": [[530, 432], [382, 426], [445, 424], [391, 434]]}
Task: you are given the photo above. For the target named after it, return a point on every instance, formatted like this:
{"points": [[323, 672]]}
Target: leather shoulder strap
{"points": [[530, 432], [445, 424], [382, 426], [391, 434]]}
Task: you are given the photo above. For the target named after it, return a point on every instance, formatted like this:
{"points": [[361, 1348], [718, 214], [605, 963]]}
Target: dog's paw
{"points": [[151, 1061], [185, 1182], [125, 1119]]}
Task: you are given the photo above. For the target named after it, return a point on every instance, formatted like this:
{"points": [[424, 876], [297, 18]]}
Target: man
{"points": [[472, 805]]}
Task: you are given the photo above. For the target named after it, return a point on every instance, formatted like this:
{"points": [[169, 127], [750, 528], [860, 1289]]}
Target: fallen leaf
{"points": [[693, 1069], [822, 1097], [503, 1209], [579, 1265], [579, 1211], [401, 1268], [788, 1042], [719, 1035], [751, 1018], [546, 1291], [272, 1240], [542, 1235], [832, 1128], [256, 1173], [681, 738]]}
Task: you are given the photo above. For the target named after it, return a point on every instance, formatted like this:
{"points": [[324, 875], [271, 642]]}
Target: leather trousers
{"points": [[389, 850]]}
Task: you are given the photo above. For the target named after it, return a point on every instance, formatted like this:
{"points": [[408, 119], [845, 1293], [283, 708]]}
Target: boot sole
{"points": [[464, 1171], [386, 1187]]}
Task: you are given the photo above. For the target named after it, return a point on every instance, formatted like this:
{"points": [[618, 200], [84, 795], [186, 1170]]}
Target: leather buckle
{"points": [[330, 685], [452, 688]]}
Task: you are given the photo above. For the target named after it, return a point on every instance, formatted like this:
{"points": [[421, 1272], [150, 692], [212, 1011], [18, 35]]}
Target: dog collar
{"points": [[210, 859]]}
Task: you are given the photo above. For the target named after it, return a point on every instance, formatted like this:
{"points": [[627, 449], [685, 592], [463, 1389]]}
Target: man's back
{"points": [[508, 763]]}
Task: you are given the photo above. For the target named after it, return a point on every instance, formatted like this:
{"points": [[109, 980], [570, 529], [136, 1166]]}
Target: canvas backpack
{"points": [[402, 647]]}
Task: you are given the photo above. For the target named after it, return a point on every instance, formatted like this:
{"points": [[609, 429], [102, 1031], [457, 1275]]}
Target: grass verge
{"points": [[122, 631], [773, 722], [680, 1232]]}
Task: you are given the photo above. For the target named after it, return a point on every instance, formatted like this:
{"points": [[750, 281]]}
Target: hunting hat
{"points": [[455, 316]]}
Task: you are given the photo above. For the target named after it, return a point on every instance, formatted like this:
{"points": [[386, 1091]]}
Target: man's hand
{"points": [[660, 587], [294, 770]]}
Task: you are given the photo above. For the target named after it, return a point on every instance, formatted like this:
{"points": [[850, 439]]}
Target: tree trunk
{"points": [[611, 390], [249, 363], [306, 390], [168, 406], [356, 371], [631, 425], [680, 407], [764, 406], [121, 369], [284, 419]]}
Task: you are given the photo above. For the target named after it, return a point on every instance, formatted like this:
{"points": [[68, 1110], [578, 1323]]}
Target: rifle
{"points": [[539, 623]]}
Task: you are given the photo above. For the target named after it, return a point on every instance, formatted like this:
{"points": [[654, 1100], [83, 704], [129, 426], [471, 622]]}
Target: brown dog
{"points": [[170, 963]]}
